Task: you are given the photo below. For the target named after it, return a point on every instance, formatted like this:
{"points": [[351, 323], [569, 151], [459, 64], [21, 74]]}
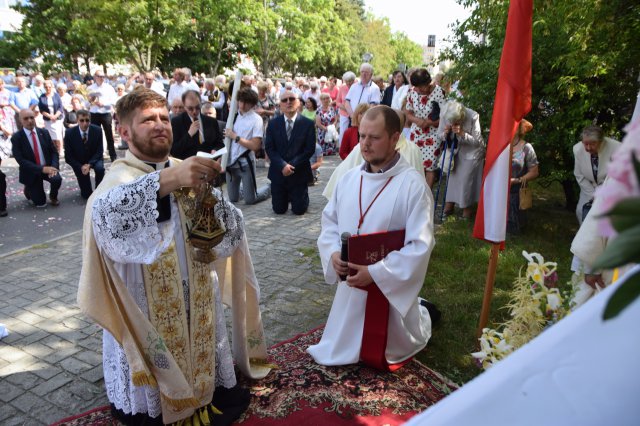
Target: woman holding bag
{"points": [[524, 168]]}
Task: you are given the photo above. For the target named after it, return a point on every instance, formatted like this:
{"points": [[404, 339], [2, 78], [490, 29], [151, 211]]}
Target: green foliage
{"points": [[406, 51], [624, 295], [13, 52], [584, 69], [300, 36]]}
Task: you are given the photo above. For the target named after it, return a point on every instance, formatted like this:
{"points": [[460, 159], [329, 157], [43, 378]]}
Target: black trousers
{"points": [[84, 181], [104, 120], [294, 192], [3, 191], [36, 188]]}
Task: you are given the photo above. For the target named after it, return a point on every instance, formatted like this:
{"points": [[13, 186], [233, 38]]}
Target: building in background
{"points": [[429, 51], [10, 20]]}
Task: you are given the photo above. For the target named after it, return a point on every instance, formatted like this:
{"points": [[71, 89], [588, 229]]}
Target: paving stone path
{"points": [[51, 361]]}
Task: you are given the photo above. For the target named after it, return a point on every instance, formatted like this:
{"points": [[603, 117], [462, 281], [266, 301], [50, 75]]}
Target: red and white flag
{"points": [[512, 102]]}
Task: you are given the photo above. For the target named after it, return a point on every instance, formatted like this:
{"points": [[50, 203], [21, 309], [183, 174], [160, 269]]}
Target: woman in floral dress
{"points": [[325, 116], [424, 103]]}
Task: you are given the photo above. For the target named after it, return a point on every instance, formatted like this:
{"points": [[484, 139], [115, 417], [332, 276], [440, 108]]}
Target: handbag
{"points": [[526, 196]]}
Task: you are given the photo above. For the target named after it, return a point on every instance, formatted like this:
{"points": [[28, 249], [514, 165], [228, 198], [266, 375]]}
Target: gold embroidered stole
{"points": [[189, 338]]}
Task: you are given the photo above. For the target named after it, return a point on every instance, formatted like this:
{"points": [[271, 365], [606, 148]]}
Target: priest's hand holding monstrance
{"points": [[204, 229]]}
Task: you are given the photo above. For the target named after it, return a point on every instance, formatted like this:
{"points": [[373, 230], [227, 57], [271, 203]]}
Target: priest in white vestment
{"points": [[384, 194], [165, 343]]}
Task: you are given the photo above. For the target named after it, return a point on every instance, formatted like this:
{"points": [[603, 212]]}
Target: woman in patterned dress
{"points": [[325, 116], [424, 103]]}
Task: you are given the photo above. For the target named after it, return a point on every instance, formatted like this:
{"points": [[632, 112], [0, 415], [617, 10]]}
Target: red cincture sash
{"points": [[366, 250]]}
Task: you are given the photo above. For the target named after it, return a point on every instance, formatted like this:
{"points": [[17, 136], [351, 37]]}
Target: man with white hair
{"points": [[190, 82], [362, 92]]}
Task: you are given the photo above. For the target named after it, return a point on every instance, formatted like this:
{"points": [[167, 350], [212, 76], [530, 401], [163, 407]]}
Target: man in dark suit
{"points": [[83, 151], [38, 160], [192, 131], [290, 142]]}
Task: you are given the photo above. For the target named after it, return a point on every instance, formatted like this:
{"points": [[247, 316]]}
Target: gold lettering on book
{"points": [[376, 255]]}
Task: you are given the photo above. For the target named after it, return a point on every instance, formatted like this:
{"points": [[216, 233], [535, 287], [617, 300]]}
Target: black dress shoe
{"points": [[433, 310], [3, 213], [54, 202]]}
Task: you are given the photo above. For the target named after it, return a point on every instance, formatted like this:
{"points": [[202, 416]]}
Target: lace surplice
{"points": [[126, 230]]}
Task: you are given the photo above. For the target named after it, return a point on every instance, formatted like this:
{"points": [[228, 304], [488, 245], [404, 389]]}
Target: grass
{"points": [[456, 277]]}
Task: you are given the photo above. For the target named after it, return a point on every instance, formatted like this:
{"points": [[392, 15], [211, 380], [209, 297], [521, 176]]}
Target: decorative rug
{"points": [[301, 392], [100, 416]]}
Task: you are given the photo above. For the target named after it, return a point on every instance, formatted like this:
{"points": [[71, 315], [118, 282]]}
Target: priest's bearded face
{"points": [[377, 145], [149, 134]]}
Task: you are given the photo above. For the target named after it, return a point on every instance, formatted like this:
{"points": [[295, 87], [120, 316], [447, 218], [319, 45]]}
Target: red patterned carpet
{"points": [[301, 392]]}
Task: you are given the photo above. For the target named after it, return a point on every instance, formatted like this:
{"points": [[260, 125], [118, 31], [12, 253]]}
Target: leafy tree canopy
{"points": [[585, 70]]}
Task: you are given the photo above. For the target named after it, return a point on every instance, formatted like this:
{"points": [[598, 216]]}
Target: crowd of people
{"points": [[446, 132]]}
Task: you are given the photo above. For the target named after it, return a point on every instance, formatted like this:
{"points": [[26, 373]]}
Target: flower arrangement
{"points": [[535, 303]]}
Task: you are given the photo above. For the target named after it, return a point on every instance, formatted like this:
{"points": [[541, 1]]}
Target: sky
{"points": [[419, 18]]}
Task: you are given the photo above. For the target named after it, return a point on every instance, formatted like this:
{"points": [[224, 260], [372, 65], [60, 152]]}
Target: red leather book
{"points": [[365, 250]]}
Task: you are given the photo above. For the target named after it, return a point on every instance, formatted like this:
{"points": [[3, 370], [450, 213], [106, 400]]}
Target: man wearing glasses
{"points": [[290, 142], [192, 131], [83, 152]]}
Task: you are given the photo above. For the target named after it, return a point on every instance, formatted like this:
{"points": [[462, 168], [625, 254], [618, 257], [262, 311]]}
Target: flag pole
{"points": [[493, 265], [488, 287]]}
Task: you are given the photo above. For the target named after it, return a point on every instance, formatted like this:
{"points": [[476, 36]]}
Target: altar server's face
{"points": [[377, 145]]}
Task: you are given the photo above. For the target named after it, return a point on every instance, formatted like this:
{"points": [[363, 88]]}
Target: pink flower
{"points": [[622, 181]]}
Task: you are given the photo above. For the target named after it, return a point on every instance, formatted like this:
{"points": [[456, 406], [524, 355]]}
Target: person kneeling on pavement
{"points": [[246, 138]]}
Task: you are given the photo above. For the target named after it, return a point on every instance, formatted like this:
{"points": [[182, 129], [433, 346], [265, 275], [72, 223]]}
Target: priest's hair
{"points": [[139, 98]]}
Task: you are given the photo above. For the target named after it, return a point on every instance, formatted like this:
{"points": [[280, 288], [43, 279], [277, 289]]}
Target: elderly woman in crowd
{"points": [[395, 94], [265, 108], [348, 79], [120, 91], [524, 168], [424, 103], [71, 117], [50, 106], [592, 156], [65, 97], [326, 115], [460, 128]]}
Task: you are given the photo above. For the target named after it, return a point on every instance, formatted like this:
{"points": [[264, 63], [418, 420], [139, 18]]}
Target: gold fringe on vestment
{"points": [[260, 362], [199, 418], [142, 378]]}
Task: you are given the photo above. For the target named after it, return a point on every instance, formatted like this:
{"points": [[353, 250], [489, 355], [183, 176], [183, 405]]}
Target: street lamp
{"points": [[367, 57]]}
